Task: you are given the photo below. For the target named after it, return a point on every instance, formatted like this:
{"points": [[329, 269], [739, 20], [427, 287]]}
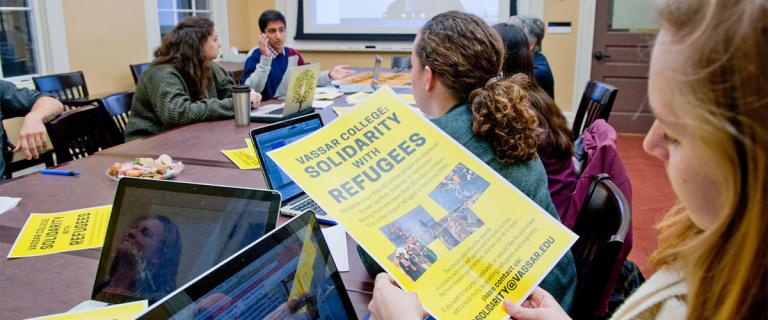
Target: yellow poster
{"points": [[125, 311], [46, 233], [437, 218]]}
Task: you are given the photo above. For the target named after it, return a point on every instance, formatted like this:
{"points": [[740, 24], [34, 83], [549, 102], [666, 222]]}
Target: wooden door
{"points": [[624, 31]]}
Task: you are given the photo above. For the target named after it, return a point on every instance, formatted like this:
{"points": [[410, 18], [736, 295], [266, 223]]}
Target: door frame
{"points": [[585, 40]]}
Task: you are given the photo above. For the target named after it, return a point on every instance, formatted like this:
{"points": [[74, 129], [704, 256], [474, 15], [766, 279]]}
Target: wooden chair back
{"points": [[596, 103], [118, 106], [81, 132]]}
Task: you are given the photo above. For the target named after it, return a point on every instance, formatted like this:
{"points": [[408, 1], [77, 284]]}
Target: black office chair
{"points": [[136, 70], [401, 62], [81, 132], [118, 106], [603, 223], [69, 88], [596, 103], [13, 166]]}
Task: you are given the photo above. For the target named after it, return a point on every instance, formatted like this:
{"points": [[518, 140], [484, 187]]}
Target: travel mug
{"points": [[241, 101]]}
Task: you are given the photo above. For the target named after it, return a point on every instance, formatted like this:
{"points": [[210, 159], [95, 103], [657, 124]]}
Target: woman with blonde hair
{"points": [[708, 88]]}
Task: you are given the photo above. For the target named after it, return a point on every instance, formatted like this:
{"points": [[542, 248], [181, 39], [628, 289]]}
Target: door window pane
{"points": [[632, 16], [184, 4], [13, 3], [170, 12], [17, 46], [166, 22], [202, 5], [182, 15], [165, 4]]}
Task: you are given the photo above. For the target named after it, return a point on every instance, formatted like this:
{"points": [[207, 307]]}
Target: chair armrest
{"points": [[80, 102]]}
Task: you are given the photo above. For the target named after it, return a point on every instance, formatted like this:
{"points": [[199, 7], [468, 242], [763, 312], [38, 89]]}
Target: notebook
{"points": [[302, 83], [352, 88], [275, 136], [162, 234], [288, 274]]}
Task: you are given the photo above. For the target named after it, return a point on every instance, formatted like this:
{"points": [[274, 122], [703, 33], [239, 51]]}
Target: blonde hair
{"points": [[724, 86]]}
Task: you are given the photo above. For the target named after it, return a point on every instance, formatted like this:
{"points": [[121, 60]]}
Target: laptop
{"points": [[275, 136], [352, 88], [302, 83], [287, 274], [162, 234]]}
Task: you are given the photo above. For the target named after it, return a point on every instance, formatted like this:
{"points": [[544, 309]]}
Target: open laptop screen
{"points": [[163, 234], [289, 274], [275, 137]]}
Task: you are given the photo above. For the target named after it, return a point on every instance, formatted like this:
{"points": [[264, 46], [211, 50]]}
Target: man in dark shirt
{"points": [[36, 110], [534, 30]]}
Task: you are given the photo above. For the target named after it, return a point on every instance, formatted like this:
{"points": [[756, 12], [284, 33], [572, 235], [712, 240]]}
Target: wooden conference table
{"points": [[55, 283]]}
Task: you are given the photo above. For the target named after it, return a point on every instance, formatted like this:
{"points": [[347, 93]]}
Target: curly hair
{"points": [[183, 49], [502, 114], [466, 55]]}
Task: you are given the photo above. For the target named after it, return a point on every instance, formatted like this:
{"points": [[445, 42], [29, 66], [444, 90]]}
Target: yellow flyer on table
{"points": [[48, 233], [436, 217], [125, 311], [243, 158]]}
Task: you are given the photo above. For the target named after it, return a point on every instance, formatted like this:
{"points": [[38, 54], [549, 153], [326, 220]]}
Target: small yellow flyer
{"points": [[244, 158], [46, 233], [125, 311], [438, 219]]}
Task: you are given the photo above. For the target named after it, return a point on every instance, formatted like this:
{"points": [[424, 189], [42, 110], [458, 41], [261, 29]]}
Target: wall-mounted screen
{"points": [[393, 20]]}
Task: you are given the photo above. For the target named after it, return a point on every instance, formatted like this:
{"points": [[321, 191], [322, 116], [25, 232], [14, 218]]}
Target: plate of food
{"points": [[161, 168]]}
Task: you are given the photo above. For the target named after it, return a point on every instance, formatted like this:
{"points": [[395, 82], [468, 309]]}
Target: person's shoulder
{"points": [[292, 52], [215, 67], [6, 85]]}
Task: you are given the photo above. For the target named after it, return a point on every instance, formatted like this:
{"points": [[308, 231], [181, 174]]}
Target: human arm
{"points": [[32, 136], [336, 73], [391, 302], [256, 70], [540, 305], [174, 106], [35, 108]]}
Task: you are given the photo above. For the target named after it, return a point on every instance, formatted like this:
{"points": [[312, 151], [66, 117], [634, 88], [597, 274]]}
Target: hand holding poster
{"points": [[439, 220], [62, 231]]}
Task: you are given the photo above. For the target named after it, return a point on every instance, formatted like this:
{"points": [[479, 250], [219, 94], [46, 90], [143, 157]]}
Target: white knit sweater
{"points": [[662, 296]]}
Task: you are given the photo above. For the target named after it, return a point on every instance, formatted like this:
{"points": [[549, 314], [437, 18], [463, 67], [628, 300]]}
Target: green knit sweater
{"points": [[162, 101]]}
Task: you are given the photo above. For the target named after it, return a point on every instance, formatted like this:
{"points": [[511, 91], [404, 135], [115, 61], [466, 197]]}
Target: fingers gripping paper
{"points": [[438, 219]]}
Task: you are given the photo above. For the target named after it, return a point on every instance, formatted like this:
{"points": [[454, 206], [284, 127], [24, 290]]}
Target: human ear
{"points": [[429, 84]]}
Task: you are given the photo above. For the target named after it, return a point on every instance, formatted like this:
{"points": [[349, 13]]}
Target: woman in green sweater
{"points": [[183, 85], [457, 60]]}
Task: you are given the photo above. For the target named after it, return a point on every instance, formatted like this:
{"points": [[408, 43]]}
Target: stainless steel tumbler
{"points": [[241, 98]]}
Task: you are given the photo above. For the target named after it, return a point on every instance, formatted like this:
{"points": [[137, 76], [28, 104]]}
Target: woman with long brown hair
{"points": [[707, 89], [183, 85], [555, 147], [456, 80]]}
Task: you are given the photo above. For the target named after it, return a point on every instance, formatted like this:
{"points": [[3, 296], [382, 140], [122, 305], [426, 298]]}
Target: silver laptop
{"points": [[275, 136], [302, 82], [162, 234], [352, 88]]}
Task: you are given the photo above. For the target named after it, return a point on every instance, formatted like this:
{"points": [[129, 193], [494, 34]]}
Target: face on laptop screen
{"points": [[286, 275], [163, 239], [276, 139]]}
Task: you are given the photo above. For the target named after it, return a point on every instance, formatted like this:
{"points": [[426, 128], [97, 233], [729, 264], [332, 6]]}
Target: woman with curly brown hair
{"points": [[456, 81], [183, 85]]}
